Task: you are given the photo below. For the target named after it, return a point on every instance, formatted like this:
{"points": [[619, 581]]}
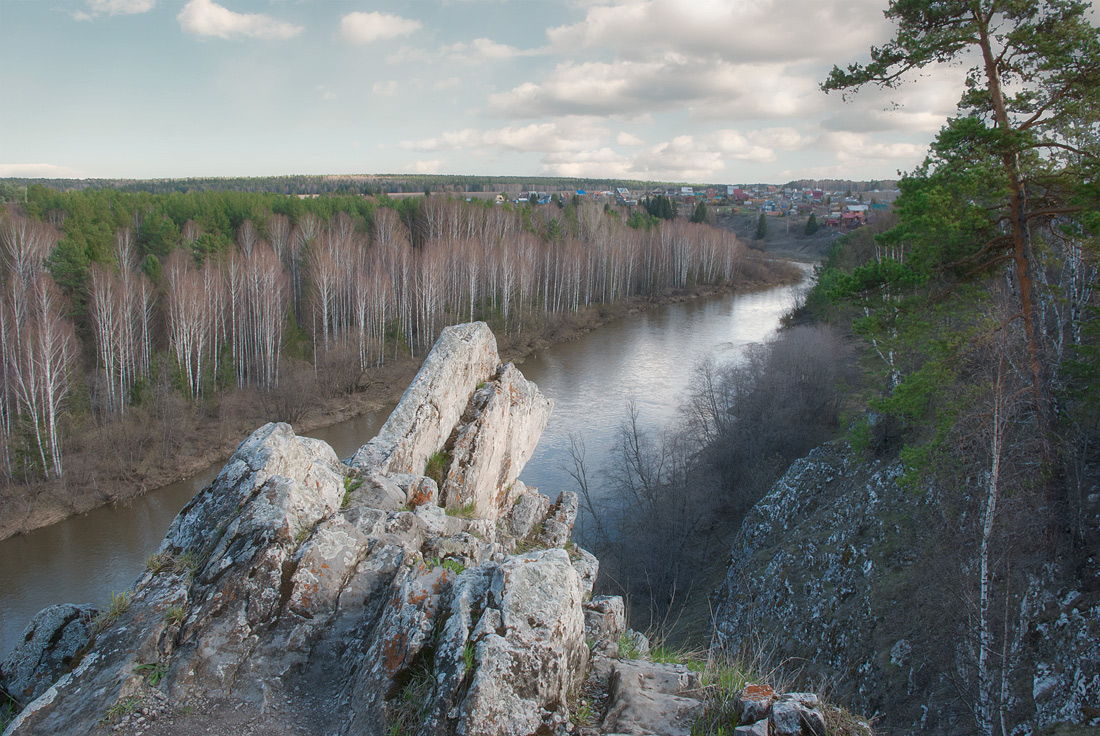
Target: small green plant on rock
{"points": [[436, 469], [454, 566], [116, 606], [413, 702], [158, 561], [468, 655], [9, 709], [175, 615], [186, 564], [153, 672], [351, 485], [627, 648], [465, 511], [120, 710]]}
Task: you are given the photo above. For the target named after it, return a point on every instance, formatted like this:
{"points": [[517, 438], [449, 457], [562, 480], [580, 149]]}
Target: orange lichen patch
{"points": [[420, 497], [393, 653], [758, 692]]}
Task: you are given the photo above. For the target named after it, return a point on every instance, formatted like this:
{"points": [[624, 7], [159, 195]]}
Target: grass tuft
{"points": [[436, 468], [175, 614], [116, 606], [120, 710], [464, 512]]}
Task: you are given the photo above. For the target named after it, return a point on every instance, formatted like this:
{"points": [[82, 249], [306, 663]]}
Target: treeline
{"points": [[843, 185], [107, 293], [373, 184]]}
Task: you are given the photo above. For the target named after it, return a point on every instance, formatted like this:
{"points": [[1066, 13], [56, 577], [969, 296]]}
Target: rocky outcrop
{"points": [[300, 592], [840, 566]]}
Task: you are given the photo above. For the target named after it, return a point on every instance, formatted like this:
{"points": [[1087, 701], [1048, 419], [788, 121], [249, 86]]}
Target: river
{"points": [[647, 357]]}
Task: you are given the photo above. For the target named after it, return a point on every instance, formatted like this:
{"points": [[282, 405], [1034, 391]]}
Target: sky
{"points": [[707, 91]]}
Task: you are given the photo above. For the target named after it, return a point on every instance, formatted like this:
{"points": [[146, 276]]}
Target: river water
{"points": [[647, 358]]}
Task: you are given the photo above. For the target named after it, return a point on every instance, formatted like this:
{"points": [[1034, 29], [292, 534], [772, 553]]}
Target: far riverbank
{"points": [[209, 434]]}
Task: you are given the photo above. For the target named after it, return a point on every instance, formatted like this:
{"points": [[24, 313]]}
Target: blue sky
{"points": [[683, 90]]}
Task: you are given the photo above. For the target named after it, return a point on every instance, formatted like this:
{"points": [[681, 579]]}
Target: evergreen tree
{"points": [[761, 227], [811, 224], [700, 213]]}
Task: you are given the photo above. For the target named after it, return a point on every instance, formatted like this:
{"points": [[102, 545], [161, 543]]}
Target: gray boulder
{"points": [[652, 698], [49, 644]]}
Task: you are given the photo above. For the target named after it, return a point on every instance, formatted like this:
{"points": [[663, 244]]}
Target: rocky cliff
{"points": [[298, 594], [843, 572]]}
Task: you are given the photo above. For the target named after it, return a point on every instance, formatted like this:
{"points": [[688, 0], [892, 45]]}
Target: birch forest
{"points": [[107, 295]]}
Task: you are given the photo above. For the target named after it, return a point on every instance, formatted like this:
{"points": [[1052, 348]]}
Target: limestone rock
{"points": [[760, 728], [49, 644], [753, 703], [463, 356], [527, 646], [529, 508], [605, 622], [559, 521], [797, 714], [651, 698], [498, 433]]}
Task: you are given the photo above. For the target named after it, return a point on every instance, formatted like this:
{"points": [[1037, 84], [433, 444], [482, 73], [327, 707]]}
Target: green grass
{"points": [[464, 512], [186, 564], [351, 485], [120, 710], [413, 702], [158, 561], [9, 709], [153, 672], [175, 614], [627, 648], [468, 656], [116, 606], [436, 468]]}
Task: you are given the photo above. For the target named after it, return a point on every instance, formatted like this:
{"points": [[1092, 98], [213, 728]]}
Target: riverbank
{"points": [[109, 467]]}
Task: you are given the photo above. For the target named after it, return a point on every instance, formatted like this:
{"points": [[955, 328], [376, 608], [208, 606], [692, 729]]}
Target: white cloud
{"points": [[367, 27], [207, 18], [628, 139], [761, 30], [732, 144], [120, 7], [562, 136], [479, 51], [919, 107], [786, 139], [39, 171], [664, 83], [385, 89], [425, 167], [326, 93], [602, 162], [113, 7], [448, 83], [492, 50], [684, 158]]}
